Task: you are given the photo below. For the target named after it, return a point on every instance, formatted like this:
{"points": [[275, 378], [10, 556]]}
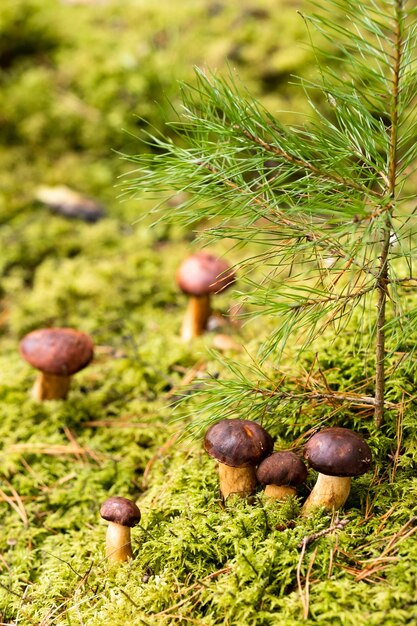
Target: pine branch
{"points": [[302, 229], [309, 165], [313, 302]]}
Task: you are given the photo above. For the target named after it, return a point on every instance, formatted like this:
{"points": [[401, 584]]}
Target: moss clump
{"points": [[65, 99]]}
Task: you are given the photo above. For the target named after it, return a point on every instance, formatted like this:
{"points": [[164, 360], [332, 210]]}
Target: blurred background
{"points": [[79, 77], [80, 80]]}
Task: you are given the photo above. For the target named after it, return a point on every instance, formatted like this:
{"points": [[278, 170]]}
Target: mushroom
{"points": [[199, 276], [337, 454], [239, 446], [122, 515], [281, 472], [58, 353]]}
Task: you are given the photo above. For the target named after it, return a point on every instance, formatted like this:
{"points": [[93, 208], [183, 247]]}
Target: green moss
{"points": [[67, 92]]}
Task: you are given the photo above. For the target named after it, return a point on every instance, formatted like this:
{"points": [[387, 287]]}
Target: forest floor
{"points": [[68, 93]]}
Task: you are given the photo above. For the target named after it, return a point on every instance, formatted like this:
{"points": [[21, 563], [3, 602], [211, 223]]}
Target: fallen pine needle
{"points": [[383, 560], [119, 424], [305, 593], [16, 503], [52, 450]]}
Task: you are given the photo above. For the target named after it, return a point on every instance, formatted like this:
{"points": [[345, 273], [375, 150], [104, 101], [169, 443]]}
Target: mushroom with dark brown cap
{"points": [[337, 454], [199, 276], [239, 446], [281, 472], [57, 353], [122, 515]]}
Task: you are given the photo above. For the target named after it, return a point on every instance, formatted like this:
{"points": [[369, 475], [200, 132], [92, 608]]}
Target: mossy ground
{"points": [[68, 92]]}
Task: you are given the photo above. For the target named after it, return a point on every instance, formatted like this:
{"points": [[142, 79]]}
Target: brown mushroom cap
{"points": [[203, 274], [338, 452], [57, 351], [120, 511], [282, 469], [238, 443]]}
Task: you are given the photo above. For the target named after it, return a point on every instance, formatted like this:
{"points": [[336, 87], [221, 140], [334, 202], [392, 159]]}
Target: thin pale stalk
{"points": [[50, 387], [196, 317], [237, 481], [118, 546]]}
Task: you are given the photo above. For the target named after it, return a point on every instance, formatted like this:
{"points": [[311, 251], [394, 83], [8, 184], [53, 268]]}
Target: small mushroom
{"points": [[122, 515], [281, 472], [337, 454], [239, 446], [199, 276], [57, 353]]}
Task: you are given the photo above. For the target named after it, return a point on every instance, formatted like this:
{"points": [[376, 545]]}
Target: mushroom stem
{"points": [[330, 492], [279, 492], [51, 387], [196, 317], [240, 481], [118, 547]]}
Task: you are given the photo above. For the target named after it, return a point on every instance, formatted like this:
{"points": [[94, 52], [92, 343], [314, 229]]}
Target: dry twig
{"points": [[338, 525], [305, 593]]}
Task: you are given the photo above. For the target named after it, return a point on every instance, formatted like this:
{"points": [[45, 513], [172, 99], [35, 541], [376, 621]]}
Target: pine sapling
{"points": [[325, 207]]}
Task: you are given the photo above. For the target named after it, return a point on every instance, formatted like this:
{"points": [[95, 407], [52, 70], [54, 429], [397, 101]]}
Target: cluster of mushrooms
{"points": [[242, 448], [244, 451]]}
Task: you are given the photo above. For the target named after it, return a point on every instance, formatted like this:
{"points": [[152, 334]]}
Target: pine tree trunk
{"points": [[383, 276], [382, 287]]}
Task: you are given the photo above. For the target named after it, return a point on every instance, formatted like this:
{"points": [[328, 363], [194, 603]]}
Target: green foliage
{"points": [[328, 202], [78, 82]]}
